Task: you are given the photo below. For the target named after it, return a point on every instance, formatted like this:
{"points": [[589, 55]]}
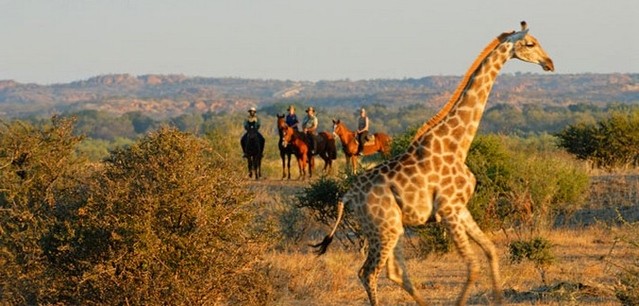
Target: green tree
{"points": [[610, 143]]}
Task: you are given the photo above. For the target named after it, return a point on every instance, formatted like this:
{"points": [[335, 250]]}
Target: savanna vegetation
{"points": [[165, 220], [103, 209]]}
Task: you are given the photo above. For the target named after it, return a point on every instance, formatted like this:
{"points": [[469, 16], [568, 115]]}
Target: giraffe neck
{"points": [[456, 125]]}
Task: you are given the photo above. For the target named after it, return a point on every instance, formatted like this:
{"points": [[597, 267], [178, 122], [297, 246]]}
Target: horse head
{"points": [[287, 134], [338, 127], [341, 131], [281, 124]]}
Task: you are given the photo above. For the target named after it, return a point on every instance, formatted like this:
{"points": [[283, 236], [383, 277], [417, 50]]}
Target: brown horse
{"points": [[285, 152], [380, 142], [295, 139]]}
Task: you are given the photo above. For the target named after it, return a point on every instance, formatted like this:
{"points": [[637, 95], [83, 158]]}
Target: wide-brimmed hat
{"points": [[310, 108], [290, 107], [252, 109]]}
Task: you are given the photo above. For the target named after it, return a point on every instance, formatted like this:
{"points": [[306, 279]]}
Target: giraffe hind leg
{"points": [[381, 244], [369, 272]]}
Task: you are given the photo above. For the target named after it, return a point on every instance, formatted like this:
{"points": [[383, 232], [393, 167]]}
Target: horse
{"points": [[254, 152], [285, 152], [326, 149], [378, 143]]}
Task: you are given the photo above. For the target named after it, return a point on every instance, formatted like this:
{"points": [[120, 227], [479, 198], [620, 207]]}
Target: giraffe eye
{"points": [[530, 44]]}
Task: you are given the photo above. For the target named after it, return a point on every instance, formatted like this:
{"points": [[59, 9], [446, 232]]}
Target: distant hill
{"points": [[163, 96]]}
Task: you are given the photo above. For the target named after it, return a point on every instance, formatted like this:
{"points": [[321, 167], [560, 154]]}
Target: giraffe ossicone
{"points": [[431, 178]]}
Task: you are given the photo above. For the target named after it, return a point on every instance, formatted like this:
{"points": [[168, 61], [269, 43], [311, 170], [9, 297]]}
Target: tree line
{"points": [[602, 135]]}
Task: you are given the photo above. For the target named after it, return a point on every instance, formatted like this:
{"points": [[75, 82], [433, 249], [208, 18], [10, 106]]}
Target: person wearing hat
{"points": [[362, 131], [251, 122], [310, 127], [291, 117]]}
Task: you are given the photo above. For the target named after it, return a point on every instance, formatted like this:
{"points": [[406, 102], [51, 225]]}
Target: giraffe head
{"points": [[527, 48]]}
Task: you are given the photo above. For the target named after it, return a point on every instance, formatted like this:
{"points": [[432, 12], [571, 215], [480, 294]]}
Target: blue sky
{"points": [[59, 41]]}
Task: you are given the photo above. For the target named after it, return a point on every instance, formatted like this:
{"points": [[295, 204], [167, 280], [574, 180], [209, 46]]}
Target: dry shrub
{"points": [[37, 166], [163, 221], [627, 286], [173, 226]]}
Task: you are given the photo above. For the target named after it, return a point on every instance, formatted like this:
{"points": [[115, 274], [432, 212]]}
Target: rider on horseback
{"points": [[291, 117], [362, 131], [310, 128], [251, 123]]}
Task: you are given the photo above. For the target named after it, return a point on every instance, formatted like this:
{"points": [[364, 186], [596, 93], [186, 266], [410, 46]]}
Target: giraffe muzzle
{"points": [[548, 65]]}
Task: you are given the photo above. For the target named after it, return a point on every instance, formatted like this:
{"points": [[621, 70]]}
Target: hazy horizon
{"points": [[60, 41]]}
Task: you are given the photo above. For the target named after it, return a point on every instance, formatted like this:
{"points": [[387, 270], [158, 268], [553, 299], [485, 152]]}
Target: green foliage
{"points": [[401, 142], [538, 250], [520, 188], [103, 125], [98, 149], [321, 198], [433, 238], [610, 143]]}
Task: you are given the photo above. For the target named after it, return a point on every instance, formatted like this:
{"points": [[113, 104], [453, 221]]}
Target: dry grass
{"points": [[590, 253]]}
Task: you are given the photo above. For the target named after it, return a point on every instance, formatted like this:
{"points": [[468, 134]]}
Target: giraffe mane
{"points": [[462, 85]]}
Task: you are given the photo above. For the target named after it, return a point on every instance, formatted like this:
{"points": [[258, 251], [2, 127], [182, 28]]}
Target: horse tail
{"points": [[332, 148], [262, 142], [323, 246]]}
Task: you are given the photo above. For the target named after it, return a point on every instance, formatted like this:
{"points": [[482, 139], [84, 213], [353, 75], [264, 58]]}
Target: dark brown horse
{"points": [[379, 142], [285, 152], [297, 140]]}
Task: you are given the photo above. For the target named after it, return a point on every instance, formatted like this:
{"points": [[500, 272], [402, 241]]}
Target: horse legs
{"points": [[301, 165], [327, 164], [258, 167], [311, 165], [353, 163], [283, 157], [288, 167]]}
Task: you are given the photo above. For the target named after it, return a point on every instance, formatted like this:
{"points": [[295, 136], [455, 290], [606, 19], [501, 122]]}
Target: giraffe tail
{"points": [[323, 246]]}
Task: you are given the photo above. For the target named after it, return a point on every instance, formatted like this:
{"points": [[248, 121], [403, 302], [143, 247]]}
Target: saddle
{"points": [[252, 125], [370, 140]]}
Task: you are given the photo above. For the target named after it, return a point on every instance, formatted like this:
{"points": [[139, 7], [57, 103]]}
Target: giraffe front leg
{"points": [[398, 273], [457, 230], [488, 247]]}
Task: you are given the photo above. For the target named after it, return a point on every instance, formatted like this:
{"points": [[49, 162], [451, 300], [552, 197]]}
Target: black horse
{"points": [[253, 145]]}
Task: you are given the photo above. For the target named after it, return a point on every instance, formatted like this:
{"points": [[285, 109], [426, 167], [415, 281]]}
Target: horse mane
{"points": [[462, 86]]}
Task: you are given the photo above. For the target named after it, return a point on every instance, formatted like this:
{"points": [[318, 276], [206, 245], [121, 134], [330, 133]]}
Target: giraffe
{"points": [[431, 179]]}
